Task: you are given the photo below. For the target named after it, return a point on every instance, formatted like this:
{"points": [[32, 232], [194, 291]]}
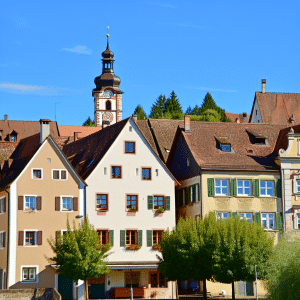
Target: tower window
{"points": [[108, 105]]}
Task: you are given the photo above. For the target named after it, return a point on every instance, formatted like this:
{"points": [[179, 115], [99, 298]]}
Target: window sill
{"points": [[101, 212], [30, 210], [133, 247], [30, 246], [271, 230], [67, 210], [29, 281]]}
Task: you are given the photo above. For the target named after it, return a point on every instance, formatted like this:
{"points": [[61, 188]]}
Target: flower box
{"points": [[156, 247], [133, 247], [104, 247]]}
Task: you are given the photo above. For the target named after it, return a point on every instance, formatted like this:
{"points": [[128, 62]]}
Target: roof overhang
{"points": [[132, 267]]}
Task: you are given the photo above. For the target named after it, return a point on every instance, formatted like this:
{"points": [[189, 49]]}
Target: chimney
{"points": [[187, 124], [44, 129], [263, 86], [244, 117], [76, 138], [105, 124], [134, 118], [5, 118]]}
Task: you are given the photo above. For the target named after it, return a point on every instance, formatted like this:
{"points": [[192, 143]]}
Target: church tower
{"points": [[107, 95]]}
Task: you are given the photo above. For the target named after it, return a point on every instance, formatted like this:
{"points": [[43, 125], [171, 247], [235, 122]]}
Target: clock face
{"points": [[108, 116], [108, 94]]}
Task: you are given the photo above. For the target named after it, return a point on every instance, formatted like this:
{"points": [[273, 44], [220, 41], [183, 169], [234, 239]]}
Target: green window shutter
{"points": [[211, 187], [187, 195], [257, 217], [198, 192], [234, 214], [233, 187], [122, 238], [167, 206], [194, 193], [111, 237], [278, 189], [140, 237], [149, 238], [279, 221], [256, 187], [150, 202]]}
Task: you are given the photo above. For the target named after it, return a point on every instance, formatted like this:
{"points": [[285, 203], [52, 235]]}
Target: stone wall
{"points": [[30, 294]]}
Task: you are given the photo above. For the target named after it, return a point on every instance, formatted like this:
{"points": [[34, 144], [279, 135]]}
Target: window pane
{"points": [[145, 173], [63, 174], [225, 215], [129, 147], [240, 183], [55, 174]]}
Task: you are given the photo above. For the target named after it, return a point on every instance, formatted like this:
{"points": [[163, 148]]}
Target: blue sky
{"points": [[51, 52]]}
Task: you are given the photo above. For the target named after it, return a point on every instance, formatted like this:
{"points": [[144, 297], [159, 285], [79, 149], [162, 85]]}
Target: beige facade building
{"points": [[39, 190], [229, 169]]}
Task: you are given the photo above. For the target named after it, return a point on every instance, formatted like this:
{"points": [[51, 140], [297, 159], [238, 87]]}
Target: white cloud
{"points": [[41, 90], [211, 89], [79, 50]]}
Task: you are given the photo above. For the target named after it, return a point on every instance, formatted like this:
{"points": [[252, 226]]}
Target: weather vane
{"points": [[107, 32]]}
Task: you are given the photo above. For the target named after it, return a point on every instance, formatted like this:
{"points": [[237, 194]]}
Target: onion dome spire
{"points": [[107, 78]]}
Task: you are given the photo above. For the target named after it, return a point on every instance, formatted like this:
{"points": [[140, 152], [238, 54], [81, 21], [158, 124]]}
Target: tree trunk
{"points": [[204, 290], [233, 292], [86, 290]]}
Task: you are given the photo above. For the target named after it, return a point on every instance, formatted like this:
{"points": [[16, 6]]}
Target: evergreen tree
{"points": [[241, 245], [141, 115], [195, 110], [78, 254], [173, 106], [158, 108], [189, 111], [88, 122]]}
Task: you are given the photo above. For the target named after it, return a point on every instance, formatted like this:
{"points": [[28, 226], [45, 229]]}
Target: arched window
{"points": [[108, 105]]}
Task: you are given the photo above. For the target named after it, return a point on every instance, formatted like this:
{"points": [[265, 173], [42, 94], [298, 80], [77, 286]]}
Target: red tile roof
{"points": [[82, 130], [237, 118], [277, 108], [202, 143]]}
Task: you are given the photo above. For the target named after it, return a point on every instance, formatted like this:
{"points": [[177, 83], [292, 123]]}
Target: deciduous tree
{"points": [[78, 254]]}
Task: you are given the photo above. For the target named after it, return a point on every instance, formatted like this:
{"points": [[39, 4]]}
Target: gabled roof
{"points": [[163, 131], [202, 144], [237, 118], [24, 128], [22, 155], [82, 130], [277, 108], [86, 153]]}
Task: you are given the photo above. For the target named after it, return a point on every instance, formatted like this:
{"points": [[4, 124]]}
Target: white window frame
{"points": [[221, 186], [36, 274], [268, 219], [61, 203], [35, 238], [24, 202], [60, 170], [296, 186], [1, 239], [273, 188], [246, 218], [35, 178], [297, 220], [243, 188], [220, 215], [2, 205]]}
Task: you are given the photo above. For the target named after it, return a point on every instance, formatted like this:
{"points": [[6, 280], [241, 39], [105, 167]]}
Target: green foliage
{"points": [[226, 119], [88, 122], [78, 253], [282, 270], [173, 106], [210, 115], [195, 110], [189, 111], [141, 115], [158, 108], [188, 252]]}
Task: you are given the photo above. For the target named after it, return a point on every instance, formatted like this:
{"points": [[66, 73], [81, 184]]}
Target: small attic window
{"points": [[257, 138], [13, 138], [223, 144]]}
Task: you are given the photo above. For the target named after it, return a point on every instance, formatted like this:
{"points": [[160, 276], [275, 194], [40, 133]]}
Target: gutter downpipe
{"points": [[8, 236]]}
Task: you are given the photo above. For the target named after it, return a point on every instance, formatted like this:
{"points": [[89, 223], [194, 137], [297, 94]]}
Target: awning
{"points": [[131, 267]]}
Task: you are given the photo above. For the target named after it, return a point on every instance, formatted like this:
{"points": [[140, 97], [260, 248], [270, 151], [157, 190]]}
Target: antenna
{"points": [[55, 109]]}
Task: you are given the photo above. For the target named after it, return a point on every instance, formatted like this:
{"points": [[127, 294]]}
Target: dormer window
{"points": [[225, 147], [223, 144], [13, 136], [257, 138]]}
